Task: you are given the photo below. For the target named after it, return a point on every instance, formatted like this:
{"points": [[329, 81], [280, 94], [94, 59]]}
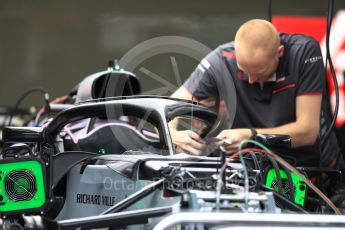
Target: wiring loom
{"points": [[265, 151]]}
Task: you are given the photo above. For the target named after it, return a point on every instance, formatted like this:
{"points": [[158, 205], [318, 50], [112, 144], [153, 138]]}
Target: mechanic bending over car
{"points": [[280, 87]]}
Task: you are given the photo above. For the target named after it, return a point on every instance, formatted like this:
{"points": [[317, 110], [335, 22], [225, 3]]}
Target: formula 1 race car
{"points": [[109, 162]]}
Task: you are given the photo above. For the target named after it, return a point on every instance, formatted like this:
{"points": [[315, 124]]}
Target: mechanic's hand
{"points": [[231, 138], [188, 141]]}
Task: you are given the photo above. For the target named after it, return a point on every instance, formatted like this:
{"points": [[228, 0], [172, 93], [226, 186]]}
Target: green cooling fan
{"points": [[299, 186], [22, 186]]}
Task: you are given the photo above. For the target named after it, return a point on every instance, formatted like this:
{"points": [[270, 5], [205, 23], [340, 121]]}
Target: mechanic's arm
{"points": [[303, 131], [187, 140]]}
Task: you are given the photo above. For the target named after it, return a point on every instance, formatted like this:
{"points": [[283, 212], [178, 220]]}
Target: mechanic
{"points": [[280, 87]]}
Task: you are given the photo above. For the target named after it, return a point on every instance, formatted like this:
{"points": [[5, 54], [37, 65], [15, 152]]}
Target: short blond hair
{"points": [[257, 36]]}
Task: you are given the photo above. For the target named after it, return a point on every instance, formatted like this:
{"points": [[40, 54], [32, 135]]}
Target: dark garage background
{"points": [[55, 44]]}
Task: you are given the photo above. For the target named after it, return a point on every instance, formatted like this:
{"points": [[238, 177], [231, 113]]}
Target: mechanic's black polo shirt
{"points": [[300, 71]]}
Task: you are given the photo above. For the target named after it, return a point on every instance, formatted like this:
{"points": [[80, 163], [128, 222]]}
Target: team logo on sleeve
{"points": [[204, 65], [312, 59]]}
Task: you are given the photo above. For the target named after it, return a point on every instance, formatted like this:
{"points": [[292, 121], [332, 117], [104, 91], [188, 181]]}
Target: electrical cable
{"points": [[284, 201], [330, 6], [287, 165], [277, 172], [257, 166], [315, 189], [279, 179], [266, 151], [291, 184], [34, 89], [270, 11], [218, 190], [220, 179], [246, 184], [55, 101], [255, 160]]}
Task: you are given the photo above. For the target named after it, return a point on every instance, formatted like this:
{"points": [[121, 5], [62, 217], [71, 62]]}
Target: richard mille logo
{"points": [[95, 199]]}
